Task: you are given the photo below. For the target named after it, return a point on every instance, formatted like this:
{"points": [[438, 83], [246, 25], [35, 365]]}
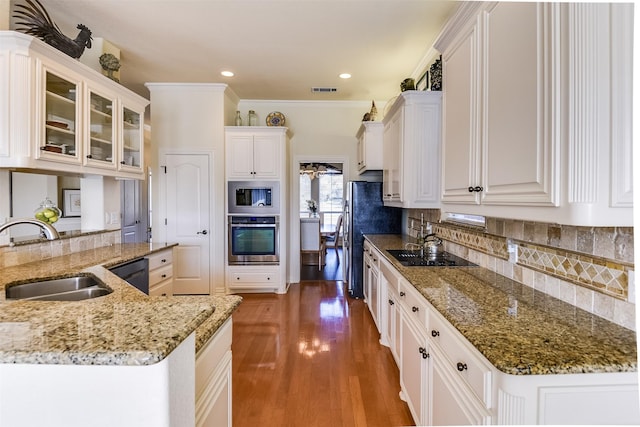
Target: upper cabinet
{"points": [[62, 116], [529, 129], [370, 146], [255, 152], [411, 151]]}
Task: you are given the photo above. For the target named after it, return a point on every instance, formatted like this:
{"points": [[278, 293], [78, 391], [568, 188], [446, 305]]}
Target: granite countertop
{"points": [[126, 327], [518, 329]]}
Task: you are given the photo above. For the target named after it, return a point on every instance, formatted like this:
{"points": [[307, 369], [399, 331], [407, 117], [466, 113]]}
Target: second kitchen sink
{"points": [[75, 288]]}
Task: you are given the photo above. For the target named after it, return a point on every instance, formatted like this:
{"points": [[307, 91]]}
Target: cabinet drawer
{"points": [[462, 357], [413, 303], [161, 289], [160, 274], [253, 277], [159, 259]]}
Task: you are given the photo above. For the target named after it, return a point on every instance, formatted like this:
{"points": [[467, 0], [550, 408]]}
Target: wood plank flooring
{"points": [[311, 357]]}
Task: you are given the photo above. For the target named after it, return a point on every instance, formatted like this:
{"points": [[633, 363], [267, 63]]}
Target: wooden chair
{"points": [[311, 242], [333, 238]]}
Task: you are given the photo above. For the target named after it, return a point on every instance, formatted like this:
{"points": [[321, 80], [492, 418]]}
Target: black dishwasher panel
{"points": [[135, 272]]}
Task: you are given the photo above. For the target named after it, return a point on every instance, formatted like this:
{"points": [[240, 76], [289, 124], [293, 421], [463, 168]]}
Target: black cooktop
{"points": [[414, 258]]}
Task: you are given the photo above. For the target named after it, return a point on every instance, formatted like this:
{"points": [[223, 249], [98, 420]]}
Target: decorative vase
{"points": [[238, 119]]}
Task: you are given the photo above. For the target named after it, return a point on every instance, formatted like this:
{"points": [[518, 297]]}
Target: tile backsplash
{"points": [[45, 249], [589, 267]]}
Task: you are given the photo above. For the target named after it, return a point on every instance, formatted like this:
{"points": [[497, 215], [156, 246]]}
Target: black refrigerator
{"points": [[364, 213]]}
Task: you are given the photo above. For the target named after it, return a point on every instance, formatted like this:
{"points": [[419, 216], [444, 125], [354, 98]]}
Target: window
{"points": [[305, 194], [330, 197]]}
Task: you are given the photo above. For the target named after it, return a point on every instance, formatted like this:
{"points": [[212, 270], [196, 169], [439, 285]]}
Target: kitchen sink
{"points": [[73, 288]]}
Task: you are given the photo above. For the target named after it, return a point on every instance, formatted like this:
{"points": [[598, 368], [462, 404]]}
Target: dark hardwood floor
{"points": [[311, 357]]}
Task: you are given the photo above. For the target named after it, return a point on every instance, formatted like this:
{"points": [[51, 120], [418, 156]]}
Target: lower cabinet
{"points": [[415, 369], [213, 380], [452, 405], [445, 380], [249, 278], [161, 273]]}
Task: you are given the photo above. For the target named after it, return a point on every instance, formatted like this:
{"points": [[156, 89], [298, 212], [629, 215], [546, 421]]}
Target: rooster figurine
{"points": [[38, 23]]}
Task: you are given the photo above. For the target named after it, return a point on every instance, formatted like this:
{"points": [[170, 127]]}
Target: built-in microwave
{"points": [[254, 197]]}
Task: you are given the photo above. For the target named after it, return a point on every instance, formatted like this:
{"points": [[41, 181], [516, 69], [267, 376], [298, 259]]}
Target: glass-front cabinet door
{"points": [[132, 140], [101, 151], [60, 139]]}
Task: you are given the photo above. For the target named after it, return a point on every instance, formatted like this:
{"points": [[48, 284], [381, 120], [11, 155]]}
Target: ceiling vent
{"points": [[324, 89]]}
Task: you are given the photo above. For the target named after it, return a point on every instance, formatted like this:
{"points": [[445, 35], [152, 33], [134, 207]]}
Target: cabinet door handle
{"points": [[202, 232], [391, 302], [122, 162], [163, 260], [163, 276], [402, 293], [476, 189], [414, 309], [435, 333], [164, 295], [461, 366]]}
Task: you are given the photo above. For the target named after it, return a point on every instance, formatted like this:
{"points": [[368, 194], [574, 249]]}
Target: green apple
{"points": [[49, 213], [53, 219], [40, 216]]}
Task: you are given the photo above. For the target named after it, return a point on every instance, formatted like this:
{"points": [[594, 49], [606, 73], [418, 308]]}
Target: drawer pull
{"points": [[268, 278], [435, 333], [163, 276], [237, 278], [414, 309], [163, 260], [164, 295], [391, 302], [461, 366], [402, 294]]}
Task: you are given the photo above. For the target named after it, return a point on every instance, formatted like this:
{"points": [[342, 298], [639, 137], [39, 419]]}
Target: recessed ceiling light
{"points": [[345, 76], [227, 73]]}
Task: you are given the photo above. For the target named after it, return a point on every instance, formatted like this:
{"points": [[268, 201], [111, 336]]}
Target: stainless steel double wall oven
{"points": [[254, 222]]}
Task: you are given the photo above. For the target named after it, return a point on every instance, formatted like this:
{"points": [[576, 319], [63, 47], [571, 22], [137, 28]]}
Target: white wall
{"points": [[189, 118]]}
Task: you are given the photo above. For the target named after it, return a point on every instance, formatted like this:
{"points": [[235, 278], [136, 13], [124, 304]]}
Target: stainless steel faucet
{"points": [[47, 229]]}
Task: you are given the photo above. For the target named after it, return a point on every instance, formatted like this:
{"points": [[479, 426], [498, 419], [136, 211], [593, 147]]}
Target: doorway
{"points": [[321, 195]]}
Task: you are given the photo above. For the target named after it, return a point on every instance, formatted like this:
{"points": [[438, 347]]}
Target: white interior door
{"points": [[188, 221]]}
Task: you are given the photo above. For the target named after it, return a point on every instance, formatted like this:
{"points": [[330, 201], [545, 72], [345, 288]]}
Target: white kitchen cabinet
{"points": [[254, 278], [256, 153], [63, 116], [411, 147], [451, 403], [370, 146], [527, 133], [371, 285], [447, 381], [213, 380], [415, 367], [161, 273], [391, 333]]}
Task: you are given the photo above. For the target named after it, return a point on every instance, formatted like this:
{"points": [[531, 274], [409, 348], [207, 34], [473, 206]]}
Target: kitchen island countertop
{"points": [[518, 329], [125, 327]]}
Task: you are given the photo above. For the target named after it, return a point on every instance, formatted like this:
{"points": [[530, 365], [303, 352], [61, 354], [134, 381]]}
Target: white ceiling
{"points": [[278, 50]]}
